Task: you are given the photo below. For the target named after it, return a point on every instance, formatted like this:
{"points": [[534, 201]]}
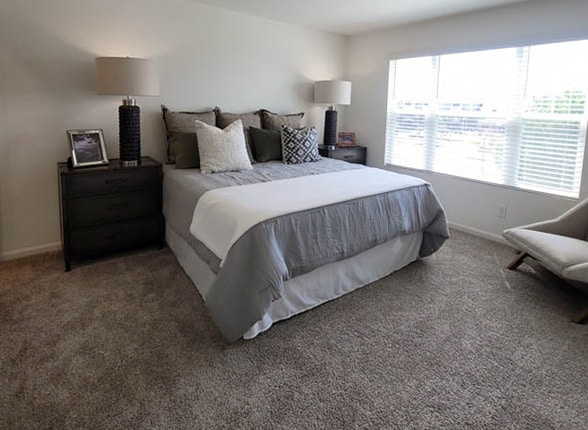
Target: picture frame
{"points": [[346, 139], [87, 148]]}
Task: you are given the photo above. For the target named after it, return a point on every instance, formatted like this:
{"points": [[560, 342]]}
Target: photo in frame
{"points": [[346, 139], [87, 148]]}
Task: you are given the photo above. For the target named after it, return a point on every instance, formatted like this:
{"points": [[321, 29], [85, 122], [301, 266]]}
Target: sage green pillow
{"points": [[267, 144], [185, 147]]}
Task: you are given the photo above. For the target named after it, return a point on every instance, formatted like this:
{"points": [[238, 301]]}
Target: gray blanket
{"points": [[183, 187], [281, 248]]}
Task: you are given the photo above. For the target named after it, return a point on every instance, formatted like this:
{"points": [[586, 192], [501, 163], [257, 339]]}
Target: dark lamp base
{"points": [[330, 138], [129, 121]]}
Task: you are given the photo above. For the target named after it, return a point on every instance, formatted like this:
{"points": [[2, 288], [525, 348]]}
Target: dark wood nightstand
{"points": [[109, 208], [355, 154]]}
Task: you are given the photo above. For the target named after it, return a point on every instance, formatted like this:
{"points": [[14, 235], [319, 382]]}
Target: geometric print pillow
{"points": [[299, 145]]}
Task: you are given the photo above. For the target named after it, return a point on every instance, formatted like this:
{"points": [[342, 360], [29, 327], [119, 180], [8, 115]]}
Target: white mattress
{"points": [[312, 289]]}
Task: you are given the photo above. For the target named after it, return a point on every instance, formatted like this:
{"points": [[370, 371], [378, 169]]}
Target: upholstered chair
{"points": [[560, 244]]}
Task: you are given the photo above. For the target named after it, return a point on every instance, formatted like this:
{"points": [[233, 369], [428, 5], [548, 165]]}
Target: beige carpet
{"points": [[453, 341]]}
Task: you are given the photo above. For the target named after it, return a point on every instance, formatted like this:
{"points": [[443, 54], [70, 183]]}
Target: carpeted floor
{"points": [[454, 341]]}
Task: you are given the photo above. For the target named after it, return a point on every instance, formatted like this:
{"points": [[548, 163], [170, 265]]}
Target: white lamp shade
{"points": [[126, 76], [332, 92]]}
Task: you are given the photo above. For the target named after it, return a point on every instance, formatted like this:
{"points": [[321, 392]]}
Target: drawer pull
{"points": [[117, 181], [348, 157], [117, 206]]}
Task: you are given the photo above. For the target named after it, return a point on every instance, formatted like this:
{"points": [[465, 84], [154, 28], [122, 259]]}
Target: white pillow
{"points": [[222, 150]]}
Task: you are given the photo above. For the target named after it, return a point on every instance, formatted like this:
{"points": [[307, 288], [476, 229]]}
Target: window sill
{"points": [[478, 181]]}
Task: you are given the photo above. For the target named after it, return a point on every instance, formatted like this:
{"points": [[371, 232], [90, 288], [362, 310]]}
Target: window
{"points": [[514, 116]]}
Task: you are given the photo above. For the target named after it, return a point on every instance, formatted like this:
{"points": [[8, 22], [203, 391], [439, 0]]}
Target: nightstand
{"points": [[355, 154], [109, 208]]}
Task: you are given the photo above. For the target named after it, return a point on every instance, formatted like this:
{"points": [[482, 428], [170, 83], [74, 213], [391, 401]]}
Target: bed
{"points": [[293, 258]]}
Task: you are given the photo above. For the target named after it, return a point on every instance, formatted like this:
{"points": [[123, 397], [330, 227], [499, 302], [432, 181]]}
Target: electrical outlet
{"points": [[502, 211]]}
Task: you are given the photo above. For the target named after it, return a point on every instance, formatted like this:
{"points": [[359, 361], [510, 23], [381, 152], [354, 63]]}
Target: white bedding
{"points": [[223, 215]]}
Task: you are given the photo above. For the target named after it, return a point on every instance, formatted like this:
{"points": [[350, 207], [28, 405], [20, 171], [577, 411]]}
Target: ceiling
{"points": [[353, 16]]}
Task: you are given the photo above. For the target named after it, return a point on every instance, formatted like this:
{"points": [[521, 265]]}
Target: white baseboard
{"points": [[56, 246], [33, 250], [479, 233]]}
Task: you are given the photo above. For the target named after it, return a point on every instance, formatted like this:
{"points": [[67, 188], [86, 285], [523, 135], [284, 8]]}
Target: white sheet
{"points": [[223, 215]]}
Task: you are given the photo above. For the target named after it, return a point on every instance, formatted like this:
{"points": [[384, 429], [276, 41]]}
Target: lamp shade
{"points": [[126, 76], [332, 92]]}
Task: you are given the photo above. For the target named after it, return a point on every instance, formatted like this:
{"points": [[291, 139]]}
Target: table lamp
{"points": [[129, 77], [333, 93]]}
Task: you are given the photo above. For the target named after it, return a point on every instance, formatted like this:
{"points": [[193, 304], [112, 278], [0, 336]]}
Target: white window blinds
{"points": [[514, 116]]}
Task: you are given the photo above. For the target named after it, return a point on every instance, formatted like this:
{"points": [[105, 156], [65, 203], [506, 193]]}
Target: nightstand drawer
{"points": [[115, 237], [116, 181], [351, 155], [96, 210], [354, 154]]}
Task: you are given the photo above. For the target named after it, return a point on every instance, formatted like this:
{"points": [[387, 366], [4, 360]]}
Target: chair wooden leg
{"points": [[582, 318], [517, 261]]}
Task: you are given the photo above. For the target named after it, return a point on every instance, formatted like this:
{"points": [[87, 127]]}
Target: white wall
{"points": [[468, 203], [207, 57]]}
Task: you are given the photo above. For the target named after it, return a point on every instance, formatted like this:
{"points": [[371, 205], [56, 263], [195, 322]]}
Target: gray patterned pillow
{"points": [[299, 145], [273, 121], [222, 150], [183, 122], [249, 120]]}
